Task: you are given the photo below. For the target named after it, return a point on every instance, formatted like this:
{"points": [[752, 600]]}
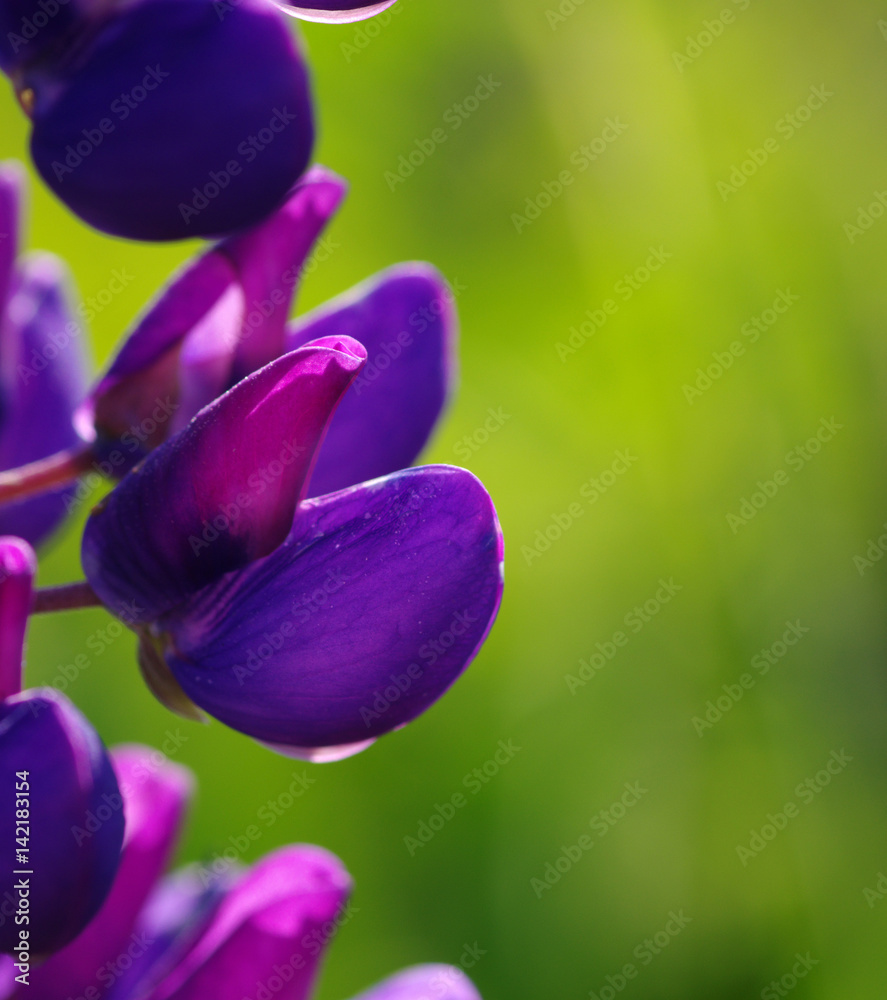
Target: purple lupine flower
{"points": [[42, 366], [61, 824], [335, 11], [225, 316], [162, 119], [253, 934], [313, 626]]}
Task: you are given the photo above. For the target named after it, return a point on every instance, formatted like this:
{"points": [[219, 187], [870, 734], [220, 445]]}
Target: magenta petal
{"points": [[275, 922], [375, 604], [405, 319], [222, 493], [421, 982], [155, 793], [269, 259], [333, 11], [18, 567]]}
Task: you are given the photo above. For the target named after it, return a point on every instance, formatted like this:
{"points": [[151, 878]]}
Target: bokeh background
{"points": [[562, 74]]}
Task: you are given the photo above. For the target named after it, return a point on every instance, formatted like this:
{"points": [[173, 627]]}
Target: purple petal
{"points": [[133, 403], [223, 492], [155, 793], [333, 11], [269, 259], [44, 371], [178, 118], [11, 184], [170, 923], [422, 982], [275, 922], [378, 600], [75, 817], [18, 567], [405, 319]]}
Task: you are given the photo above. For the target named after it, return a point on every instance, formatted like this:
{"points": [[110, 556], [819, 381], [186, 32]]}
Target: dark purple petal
{"points": [[376, 603], [11, 182], [18, 567], [155, 793], [405, 319], [75, 816], [223, 492], [44, 376], [269, 259], [29, 28], [333, 11], [275, 922], [422, 982], [179, 118]]}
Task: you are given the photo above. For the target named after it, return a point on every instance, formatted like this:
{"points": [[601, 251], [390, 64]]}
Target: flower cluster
{"points": [[285, 566]]}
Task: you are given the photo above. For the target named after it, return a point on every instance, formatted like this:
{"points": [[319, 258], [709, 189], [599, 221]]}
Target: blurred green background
{"points": [[562, 74]]}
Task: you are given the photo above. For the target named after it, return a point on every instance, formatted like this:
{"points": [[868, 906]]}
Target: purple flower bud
{"points": [[42, 367], [168, 119], [202, 932], [312, 626]]}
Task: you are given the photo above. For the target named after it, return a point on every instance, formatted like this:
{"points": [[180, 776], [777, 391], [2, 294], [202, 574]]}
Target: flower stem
{"points": [[68, 597], [45, 475]]}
